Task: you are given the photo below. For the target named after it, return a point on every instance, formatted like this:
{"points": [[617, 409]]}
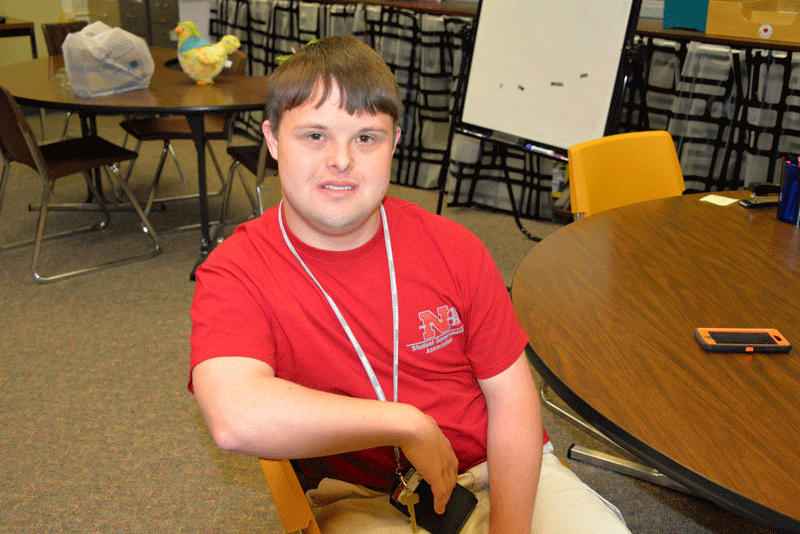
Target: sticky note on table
{"points": [[719, 200]]}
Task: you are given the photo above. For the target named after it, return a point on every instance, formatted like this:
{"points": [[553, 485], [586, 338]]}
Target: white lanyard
{"points": [[395, 310]]}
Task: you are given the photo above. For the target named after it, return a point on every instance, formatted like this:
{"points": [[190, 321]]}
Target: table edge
{"points": [[698, 484], [120, 109]]}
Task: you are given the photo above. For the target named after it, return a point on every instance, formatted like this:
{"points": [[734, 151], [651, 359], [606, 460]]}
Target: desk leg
{"points": [[607, 461], [624, 467], [197, 125], [32, 35]]}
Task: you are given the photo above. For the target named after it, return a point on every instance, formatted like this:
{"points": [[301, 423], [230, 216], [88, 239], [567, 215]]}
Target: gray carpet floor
{"points": [[97, 430]]}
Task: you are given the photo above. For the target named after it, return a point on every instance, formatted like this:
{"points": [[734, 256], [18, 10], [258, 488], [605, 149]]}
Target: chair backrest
{"points": [[55, 33], [14, 132], [291, 502], [623, 169], [238, 61]]}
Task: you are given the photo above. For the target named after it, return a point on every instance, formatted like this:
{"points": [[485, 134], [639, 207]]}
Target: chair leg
{"points": [[42, 223], [41, 118], [40, 237], [256, 202], [152, 199], [133, 161], [261, 173], [148, 229], [37, 247], [253, 202], [151, 196], [216, 165], [114, 187], [226, 197], [260, 200], [177, 163], [66, 125], [3, 182]]}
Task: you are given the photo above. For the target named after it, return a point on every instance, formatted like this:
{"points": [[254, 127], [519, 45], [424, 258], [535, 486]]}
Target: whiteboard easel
{"points": [[548, 72], [543, 75]]}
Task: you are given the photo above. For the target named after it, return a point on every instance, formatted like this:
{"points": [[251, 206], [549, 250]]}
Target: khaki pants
{"points": [[564, 504]]}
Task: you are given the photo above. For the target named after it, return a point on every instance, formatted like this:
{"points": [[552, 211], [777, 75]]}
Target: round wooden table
{"points": [[43, 83], [610, 303]]}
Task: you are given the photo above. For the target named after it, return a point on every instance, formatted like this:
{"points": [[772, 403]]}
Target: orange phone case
{"points": [[767, 340]]}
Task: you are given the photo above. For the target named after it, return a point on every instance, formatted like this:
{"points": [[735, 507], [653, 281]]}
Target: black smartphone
{"points": [[760, 202], [742, 340], [461, 504]]}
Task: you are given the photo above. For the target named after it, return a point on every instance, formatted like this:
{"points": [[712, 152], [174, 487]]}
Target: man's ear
{"points": [[396, 136], [272, 139]]}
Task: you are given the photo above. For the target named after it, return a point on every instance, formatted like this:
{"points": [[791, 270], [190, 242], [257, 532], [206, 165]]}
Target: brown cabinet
{"points": [[134, 18], [152, 20], [106, 11], [163, 19]]}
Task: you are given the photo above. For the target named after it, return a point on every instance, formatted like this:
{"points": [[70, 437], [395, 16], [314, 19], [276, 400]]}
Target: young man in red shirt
{"points": [[357, 334]]}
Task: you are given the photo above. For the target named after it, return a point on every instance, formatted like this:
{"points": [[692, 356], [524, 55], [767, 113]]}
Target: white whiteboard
{"points": [[545, 71]]}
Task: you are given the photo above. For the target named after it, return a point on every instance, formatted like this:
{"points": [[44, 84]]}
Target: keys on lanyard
{"points": [[408, 498]]}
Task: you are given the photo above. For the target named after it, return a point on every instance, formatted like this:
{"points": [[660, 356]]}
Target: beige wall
{"points": [[16, 49]]}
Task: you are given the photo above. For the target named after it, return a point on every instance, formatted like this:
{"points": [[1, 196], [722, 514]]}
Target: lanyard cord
{"points": [[395, 312]]}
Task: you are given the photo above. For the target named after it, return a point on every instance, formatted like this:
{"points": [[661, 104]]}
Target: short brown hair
{"points": [[366, 84]]}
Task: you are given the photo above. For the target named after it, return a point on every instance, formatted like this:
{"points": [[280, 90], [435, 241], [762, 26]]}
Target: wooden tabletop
{"points": [[610, 303], [16, 24], [18, 28], [448, 7], [44, 83]]}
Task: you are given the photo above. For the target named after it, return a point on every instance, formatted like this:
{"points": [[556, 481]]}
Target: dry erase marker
{"points": [[476, 134], [538, 150]]}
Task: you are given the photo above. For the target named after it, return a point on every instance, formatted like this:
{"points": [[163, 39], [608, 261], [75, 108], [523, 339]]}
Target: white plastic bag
{"points": [[101, 60]]}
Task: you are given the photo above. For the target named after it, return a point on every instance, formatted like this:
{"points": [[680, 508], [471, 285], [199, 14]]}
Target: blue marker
{"points": [[539, 150], [475, 134]]}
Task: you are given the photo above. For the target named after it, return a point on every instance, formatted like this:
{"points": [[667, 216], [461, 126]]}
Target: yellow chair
{"points": [[291, 502], [623, 169]]}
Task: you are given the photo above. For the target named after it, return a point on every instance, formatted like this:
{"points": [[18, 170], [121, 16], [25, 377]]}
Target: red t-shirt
{"points": [[457, 324]]}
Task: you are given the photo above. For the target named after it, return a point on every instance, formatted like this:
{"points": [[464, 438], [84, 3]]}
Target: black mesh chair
{"points": [[58, 160]]}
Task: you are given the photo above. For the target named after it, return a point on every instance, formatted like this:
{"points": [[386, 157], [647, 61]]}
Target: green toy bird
{"points": [[199, 59], [189, 37]]}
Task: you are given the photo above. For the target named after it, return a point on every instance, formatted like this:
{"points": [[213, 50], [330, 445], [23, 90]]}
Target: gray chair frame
{"points": [[58, 160]]}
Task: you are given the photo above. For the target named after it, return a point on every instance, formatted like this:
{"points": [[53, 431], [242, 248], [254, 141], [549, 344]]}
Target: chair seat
{"points": [[169, 128], [247, 156], [72, 156]]}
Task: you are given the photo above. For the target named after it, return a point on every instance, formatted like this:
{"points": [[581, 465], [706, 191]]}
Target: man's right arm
{"points": [[249, 410]]}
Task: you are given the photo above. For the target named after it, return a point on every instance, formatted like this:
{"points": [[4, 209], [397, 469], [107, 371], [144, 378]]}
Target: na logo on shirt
{"points": [[438, 328]]}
